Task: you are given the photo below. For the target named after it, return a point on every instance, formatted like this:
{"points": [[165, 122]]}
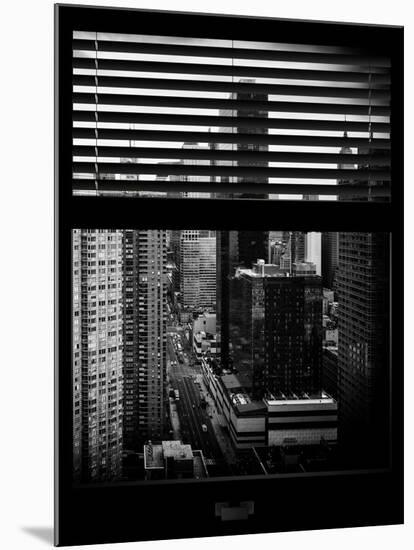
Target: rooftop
{"points": [[302, 399], [177, 450], [155, 455]]}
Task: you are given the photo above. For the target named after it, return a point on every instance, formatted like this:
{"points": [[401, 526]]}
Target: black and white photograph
{"points": [[229, 263], [199, 353], [205, 353], [206, 306]]}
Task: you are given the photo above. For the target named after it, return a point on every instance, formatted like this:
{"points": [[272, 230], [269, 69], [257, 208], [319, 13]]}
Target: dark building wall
{"points": [[293, 334], [329, 258], [234, 249], [246, 329], [363, 338], [363, 344], [330, 372], [276, 332]]}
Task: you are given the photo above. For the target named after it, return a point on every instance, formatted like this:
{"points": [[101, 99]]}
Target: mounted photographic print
{"points": [[229, 275]]}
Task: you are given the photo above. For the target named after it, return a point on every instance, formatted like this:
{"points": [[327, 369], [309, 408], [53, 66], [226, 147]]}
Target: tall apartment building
{"points": [[198, 268], [97, 369], [130, 325], [276, 329], [145, 299]]}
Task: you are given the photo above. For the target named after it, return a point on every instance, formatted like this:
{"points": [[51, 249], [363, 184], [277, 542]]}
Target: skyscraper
{"points": [[276, 329], [298, 246], [151, 262], [188, 145], [329, 257], [239, 248], [234, 249], [198, 269], [313, 249], [130, 325], [363, 343], [97, 370], [175, 249]]}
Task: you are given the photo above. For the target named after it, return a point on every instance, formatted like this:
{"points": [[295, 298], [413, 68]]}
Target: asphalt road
{"points": [[192, 416]]}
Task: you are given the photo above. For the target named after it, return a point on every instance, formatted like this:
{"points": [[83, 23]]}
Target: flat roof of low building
{"points": [[177, 450], [233, 381], [302, 399], [230, 381], [250, 407]]}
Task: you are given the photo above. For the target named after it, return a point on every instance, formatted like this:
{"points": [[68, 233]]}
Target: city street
{"points": [[192, 415]]}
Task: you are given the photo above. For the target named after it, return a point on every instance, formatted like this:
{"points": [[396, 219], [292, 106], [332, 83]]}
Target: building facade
{"points": [[363, 288], [330, 258], [276, 330], [363, 343], [151, 251], [97, 368], [240, 248], [198, 269]]}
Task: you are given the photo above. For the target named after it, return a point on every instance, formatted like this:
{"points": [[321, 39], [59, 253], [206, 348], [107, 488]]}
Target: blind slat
{"points": [[231, 70], [240, 187], [229, 121], [237, 138], [370, 61], [219, 155], [231, 104], [265, 111], [229, 87], [246, 171]]}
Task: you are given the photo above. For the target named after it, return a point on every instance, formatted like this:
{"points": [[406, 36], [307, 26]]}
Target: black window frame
{"points": [[86, 514]]}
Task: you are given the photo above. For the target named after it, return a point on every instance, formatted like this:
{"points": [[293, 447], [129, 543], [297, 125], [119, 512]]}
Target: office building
{"points": [[363, 342], [288, 419], [276, 329], [190, 178], [197, 267], [330, 258], [239, 248], [173, 460], [313, 250]]}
